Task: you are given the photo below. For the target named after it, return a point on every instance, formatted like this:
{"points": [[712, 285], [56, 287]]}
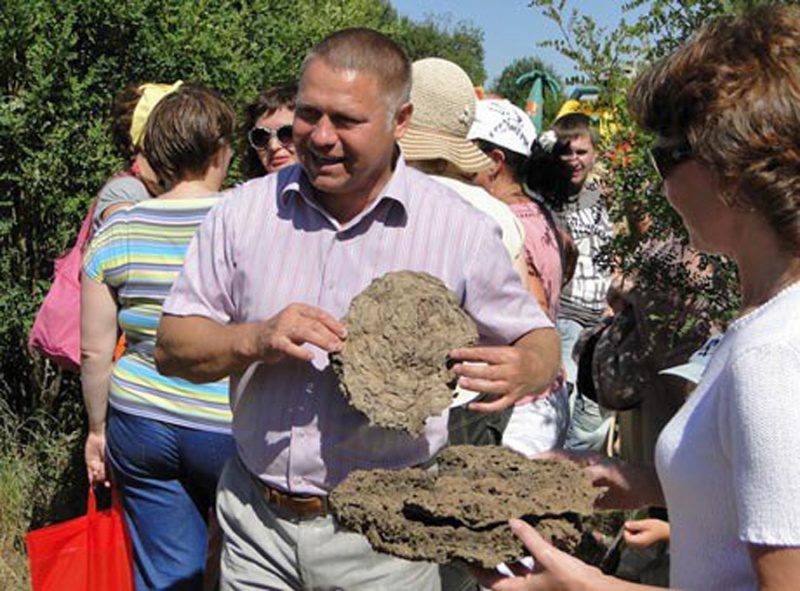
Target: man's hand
{"points": [[294, 326], [201, 350], [509, 373]]}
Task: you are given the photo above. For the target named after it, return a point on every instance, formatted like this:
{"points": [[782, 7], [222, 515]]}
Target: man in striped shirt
{"points": [[265, 282]]}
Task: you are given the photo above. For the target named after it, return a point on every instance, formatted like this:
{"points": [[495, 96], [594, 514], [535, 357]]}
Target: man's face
{"points": [[580, 157], [343, 132]]}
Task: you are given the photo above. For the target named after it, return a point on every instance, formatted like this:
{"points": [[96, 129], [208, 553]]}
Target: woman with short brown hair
{"points": [[165, 438]]}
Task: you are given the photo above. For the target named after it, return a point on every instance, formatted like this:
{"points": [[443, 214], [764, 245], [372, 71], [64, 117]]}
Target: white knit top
{"points": [[729, 461]]}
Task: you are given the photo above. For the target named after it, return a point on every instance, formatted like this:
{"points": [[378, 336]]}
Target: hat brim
{"points": [[427, 144], [688, 371]]}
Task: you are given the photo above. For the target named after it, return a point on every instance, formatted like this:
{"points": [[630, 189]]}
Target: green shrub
{"points": [[63, 62]]}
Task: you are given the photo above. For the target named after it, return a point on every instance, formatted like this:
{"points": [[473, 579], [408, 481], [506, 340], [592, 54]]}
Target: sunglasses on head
{"points": [[259, 137], [665, 159]]}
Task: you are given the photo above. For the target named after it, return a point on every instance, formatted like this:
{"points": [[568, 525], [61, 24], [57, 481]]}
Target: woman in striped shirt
{"points": [[165, 439]]}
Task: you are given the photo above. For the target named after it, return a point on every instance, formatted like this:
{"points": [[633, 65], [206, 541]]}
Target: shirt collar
{"points": [[293, 183]]}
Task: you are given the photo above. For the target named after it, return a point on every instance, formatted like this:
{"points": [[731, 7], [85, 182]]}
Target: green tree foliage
{"points": [[438, 36], [63, 63], [610, 60], [507, 87]]}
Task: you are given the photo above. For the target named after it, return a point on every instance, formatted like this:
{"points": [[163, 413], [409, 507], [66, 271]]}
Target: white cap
{"points": [[693, 369], [503, 124]]}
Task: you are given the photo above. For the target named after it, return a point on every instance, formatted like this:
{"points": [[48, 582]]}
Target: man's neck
{"points": [[345, 207]]}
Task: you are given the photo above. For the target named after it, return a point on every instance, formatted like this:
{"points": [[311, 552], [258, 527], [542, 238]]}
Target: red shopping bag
{"points": [[89, 553]]}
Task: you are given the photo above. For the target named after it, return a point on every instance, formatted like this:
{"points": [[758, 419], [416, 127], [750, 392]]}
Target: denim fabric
{"points": [[168, 476], [589, 423], [569, 331]]}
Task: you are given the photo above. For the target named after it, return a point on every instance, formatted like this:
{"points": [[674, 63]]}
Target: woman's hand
{"points": [[629, 486], [95, 455], [553, 570]]}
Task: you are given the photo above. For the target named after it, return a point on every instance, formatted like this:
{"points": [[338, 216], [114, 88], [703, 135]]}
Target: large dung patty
{"points": [[393, 366], [461, 509]]}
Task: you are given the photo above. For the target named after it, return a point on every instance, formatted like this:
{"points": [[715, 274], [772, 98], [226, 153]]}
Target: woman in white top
{"points": [[726, 111]]}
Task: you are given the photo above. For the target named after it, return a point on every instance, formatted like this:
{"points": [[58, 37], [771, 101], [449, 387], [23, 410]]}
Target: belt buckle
{"points": [[301, 506]]}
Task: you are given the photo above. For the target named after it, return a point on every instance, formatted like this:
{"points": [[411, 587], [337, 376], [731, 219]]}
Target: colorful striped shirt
{"points": [[138, 253], [271, 243]]}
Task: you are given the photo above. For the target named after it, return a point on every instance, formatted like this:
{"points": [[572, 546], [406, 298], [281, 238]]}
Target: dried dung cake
{"points": [[461, 510], [393, 366]]}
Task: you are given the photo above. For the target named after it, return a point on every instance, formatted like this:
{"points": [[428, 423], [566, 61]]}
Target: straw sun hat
{"points": [[444, 109]]}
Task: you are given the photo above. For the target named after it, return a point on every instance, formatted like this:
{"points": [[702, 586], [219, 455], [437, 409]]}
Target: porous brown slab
{"points": [[460, 510], [393, 366]]}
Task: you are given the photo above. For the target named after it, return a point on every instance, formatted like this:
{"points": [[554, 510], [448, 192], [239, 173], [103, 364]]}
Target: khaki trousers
{"points": [[266, 547]]}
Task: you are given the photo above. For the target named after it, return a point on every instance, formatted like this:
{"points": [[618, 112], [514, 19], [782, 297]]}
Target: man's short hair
{"points": [[573, 125], [185, 130], [366, 50], [733, 91]]}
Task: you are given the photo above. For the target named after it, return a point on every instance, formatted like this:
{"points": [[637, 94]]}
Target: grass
{"points": [[40, 482]]}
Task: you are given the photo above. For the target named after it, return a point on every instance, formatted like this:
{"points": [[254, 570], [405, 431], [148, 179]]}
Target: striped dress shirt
{"points": [[271, 244]]}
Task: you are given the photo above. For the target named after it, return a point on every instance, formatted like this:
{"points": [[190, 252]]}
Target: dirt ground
{"points": [[459, 509]]}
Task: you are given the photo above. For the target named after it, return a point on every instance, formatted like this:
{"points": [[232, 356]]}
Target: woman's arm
{"points": [[554, 570], [535, 286], [777, 568], [98, 340]]}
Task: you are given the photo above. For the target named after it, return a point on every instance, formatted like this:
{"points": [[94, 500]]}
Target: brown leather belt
{"points": [[302, 506]]}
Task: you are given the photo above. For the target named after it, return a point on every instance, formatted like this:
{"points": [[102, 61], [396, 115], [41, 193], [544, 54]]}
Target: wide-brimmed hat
{"points": [[503, 124], [444, 109]]}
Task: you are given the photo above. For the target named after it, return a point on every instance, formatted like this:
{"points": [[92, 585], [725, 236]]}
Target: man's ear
{"points": [[402, 119]]}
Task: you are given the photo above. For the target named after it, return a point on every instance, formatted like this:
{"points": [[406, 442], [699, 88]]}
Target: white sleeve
{"points": [[764, 430]]}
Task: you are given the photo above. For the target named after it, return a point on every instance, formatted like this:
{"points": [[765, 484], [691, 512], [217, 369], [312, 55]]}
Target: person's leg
{"points": [[332, 558], [259, 551], [456, 577], [568, 332], [589, 423], [203, 456], [267, 548], [168, 533]]}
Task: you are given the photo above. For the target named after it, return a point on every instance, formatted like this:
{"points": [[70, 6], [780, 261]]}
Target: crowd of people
{"points": [[219, 418]]}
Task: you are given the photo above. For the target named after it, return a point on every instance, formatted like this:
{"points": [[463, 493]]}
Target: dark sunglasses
{"points": [[259, 137], [666, 159]]}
